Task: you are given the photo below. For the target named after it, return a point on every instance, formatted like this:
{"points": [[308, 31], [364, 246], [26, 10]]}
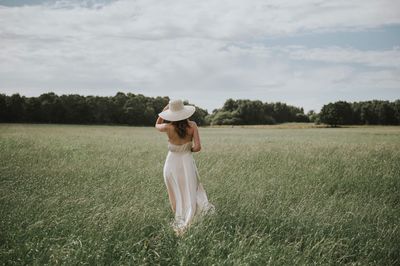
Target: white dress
{"points": [[186, 194]]}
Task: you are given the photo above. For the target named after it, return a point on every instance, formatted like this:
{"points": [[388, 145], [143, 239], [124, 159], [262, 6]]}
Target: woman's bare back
{"points": [[174, 138]]}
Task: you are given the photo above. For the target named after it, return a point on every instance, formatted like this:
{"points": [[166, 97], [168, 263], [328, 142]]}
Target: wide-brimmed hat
{"points": [[177, 111]]}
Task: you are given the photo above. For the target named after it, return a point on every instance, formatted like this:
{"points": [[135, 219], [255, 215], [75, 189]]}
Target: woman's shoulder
{"points": [[192, 123], [169, 127]]}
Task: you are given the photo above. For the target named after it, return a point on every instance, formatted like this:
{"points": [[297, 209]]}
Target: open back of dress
{"points": [[185, 191]]}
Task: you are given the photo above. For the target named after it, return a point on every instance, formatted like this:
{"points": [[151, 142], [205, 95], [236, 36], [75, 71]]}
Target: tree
{"points": [[300, 117], [52, 108], [396, 107], [230, 105], [4, 113], [137, 109], [312, 116], [226, 118], [368, 113], [134, 109], [15, 106], [117, 108], [199, 116], [329, 115], [32, 109], [338, 113], [245, 111], [386, 113]]}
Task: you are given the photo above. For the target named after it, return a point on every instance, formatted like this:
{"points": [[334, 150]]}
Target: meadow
{"points": [[80, 194]]}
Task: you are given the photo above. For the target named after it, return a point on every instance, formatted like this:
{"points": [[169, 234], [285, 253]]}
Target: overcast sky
{"points": [[305, 53]]}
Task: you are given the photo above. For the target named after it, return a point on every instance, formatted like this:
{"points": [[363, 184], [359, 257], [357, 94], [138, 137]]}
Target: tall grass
{"points": [[95, 195]]}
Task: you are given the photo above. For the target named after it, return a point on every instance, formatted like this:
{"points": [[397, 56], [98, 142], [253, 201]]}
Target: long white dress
{"points": [[186, 194]]}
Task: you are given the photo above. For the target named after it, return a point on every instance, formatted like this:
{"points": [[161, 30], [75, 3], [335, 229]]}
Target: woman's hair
{"points": [[180, 127]]}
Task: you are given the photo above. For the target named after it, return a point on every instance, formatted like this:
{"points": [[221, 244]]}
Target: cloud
{"points": [[224, 19], [203, 51], [385, 58]]}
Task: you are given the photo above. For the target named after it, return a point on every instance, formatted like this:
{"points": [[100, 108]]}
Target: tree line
{"points": [[374, 112], [139, 110], [129, 109], [255, 112]]}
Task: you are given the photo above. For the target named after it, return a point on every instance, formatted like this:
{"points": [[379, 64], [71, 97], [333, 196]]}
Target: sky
{"points": [[305, 53]]}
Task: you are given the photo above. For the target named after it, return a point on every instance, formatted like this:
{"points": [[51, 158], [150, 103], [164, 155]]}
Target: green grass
{"points": [[95, 195]]}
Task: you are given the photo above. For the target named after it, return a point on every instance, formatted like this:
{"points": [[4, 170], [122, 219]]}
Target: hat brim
{"points": [[186, 112]]}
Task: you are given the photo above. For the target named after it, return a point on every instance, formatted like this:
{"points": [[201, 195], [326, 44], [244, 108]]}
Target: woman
{"points": [[186, 194]]}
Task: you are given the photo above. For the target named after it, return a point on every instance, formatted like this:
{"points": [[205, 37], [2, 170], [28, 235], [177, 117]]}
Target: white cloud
{"points": [[223, 19], [202, 51], [387, 58]]}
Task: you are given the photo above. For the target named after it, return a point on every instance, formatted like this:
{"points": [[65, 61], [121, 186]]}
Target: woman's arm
{"points": [[160, 125], [196, 138]]}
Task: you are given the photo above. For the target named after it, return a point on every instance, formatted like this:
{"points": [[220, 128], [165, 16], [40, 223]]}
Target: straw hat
{"points": [[177, 111]]}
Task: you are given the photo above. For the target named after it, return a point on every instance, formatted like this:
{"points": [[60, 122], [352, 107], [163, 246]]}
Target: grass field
{"points": [[284, 196]]}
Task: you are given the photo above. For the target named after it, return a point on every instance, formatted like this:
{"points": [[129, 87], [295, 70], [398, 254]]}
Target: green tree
{"points": [[52, 109], [300, 117], [337, 113], [329, 115], [226, 118], [396, 107], [32, 109], [386, 113], [134, 109], [16, 107], [312, 116], [4, 113]]}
